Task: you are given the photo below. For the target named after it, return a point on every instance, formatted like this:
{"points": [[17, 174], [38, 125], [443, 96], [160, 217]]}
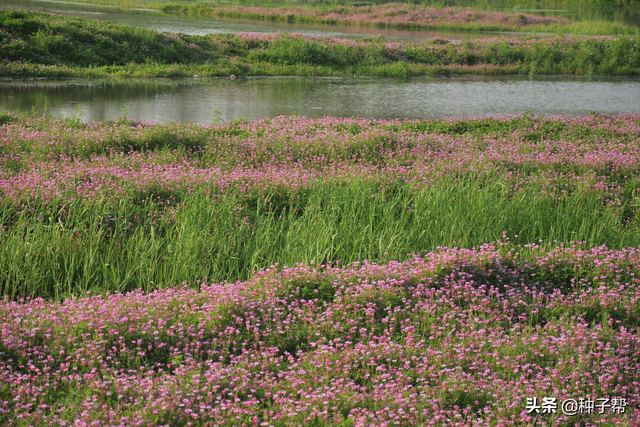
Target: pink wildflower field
{"points": [[396, 15], [319, 272], [509, 330], [451, 337]]}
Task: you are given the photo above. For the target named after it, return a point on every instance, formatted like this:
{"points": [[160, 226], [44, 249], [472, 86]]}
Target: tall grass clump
{"points": [[126, 247]]}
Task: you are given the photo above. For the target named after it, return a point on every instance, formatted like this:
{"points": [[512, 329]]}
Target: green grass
{"points": [[550, 3], [136, 240], [55, 255], [326, 15], [201, 8], [476, 4], [479, 4], [46, 45]]}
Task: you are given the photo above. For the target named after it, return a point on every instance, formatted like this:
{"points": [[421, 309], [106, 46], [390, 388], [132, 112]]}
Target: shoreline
{"points": [[37, 44]]}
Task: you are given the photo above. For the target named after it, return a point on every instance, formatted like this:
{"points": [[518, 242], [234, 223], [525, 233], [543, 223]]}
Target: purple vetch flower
{"points": [[451, 336]]}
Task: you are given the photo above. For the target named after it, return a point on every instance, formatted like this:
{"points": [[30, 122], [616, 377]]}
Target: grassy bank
{"points": [[119, 206], [469, 5], [424, 16], [406, 16], [475, 4], [50, 45], [583, 3]]}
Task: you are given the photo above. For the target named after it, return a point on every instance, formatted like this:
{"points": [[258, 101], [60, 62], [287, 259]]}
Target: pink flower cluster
{"points": [[47, 161], [452, 337], [402, 15]]}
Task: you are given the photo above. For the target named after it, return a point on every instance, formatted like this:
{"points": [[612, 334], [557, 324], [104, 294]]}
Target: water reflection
{"points": [[255, 98]]}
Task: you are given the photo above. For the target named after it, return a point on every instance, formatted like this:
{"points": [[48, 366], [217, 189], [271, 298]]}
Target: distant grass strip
{"points": [[405, 16], [542, 3], [119, 206], [34, 44], [325, 4]]}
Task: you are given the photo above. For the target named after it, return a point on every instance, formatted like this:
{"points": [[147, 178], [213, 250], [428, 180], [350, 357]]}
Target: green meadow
{"points": [[38, 44]]}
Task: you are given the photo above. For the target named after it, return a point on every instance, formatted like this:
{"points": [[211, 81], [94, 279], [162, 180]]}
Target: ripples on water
{"points": [[255, 98]]}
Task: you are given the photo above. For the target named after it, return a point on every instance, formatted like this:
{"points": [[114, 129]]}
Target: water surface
{"points": [[197, 101]]}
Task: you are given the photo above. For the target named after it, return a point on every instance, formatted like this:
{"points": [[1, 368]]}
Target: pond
{"points": [[199, 101]]}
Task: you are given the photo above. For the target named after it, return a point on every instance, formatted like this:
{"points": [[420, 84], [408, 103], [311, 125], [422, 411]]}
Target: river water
{"points": [[197, 101]]}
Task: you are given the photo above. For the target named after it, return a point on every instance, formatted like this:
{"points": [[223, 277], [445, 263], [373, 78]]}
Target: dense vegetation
{"points": [[454, 337], [486, 4], [584, 3], [373, 12], [467, 4], [118, 206], [406, 16], [292, 271], [50, 45]]}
